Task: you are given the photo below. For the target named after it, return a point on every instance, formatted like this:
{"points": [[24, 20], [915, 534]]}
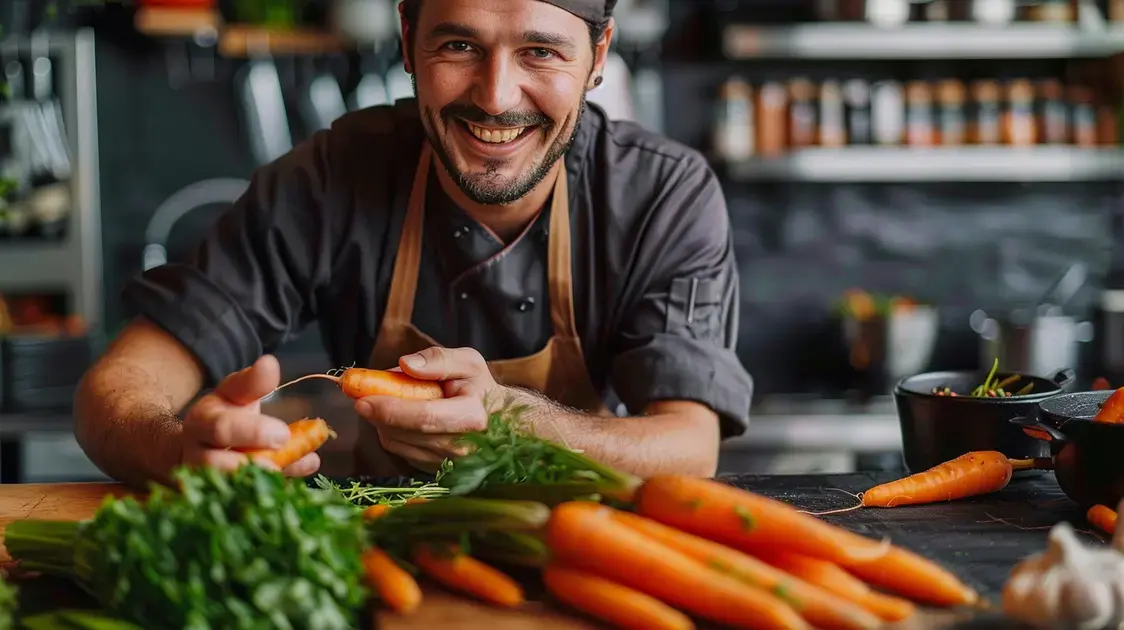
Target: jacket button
{"points": [[526, 305]]}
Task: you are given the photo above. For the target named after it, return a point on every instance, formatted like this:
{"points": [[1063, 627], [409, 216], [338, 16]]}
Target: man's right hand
{"points": [[230, 418]]}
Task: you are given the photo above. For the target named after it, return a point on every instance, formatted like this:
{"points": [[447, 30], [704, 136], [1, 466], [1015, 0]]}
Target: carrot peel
{"points": [[359, 383]]}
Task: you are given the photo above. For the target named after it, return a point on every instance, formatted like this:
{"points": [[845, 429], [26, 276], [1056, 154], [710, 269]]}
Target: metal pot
{"points": [[1037, 343], [1087, 461], [938, 428], [886, 349]]}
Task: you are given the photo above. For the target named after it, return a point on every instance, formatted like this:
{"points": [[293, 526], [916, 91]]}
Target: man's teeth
{"points": [[496, 136]]}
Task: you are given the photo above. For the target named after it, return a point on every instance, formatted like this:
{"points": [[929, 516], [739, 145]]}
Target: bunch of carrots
{"points": [[677, 549], [685, 549]]}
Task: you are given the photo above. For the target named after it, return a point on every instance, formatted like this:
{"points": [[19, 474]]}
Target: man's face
{"points": [[501, 86]]}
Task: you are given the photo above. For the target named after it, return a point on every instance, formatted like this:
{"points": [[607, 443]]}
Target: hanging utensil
{"points": [[371, 89], [322, 103], [263, 105], [49, 110]]}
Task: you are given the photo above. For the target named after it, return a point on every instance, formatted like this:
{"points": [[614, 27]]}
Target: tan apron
{"points": [[557, 371]]}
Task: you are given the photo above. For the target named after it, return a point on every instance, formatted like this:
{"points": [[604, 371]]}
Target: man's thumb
{"points": [[251, 384]]}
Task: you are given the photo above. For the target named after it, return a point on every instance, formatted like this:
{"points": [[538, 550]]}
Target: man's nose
{"points": [[497, 85]]}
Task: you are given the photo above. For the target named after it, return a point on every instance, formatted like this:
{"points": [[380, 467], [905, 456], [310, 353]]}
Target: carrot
{"points": [[305, 436], [818, 607], [832, 578], [971, 474], [394, 585], [1100, 383], [1103, 518], [585, 535], [1112, 410], [751, 522], [462, 572], [375, 511], [359, 383], [619, 605]]}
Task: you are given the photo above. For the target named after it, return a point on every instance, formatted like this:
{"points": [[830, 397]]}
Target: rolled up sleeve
{"points": [[677, 340], [253, 281]]}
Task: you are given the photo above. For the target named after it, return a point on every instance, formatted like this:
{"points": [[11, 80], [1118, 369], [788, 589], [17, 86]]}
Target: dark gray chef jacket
{"points": [[314, 239]]}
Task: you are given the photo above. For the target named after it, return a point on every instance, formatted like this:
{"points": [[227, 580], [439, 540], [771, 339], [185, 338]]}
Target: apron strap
{"points": [[404, 283], [559, 271]]}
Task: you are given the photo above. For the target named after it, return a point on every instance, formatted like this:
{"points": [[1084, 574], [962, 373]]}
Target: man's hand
{"points": [[424, 432], [230, 417]]}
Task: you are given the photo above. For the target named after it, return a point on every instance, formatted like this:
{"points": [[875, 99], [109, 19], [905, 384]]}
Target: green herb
{"points": [[506, 454], [77, 620], [246, 550], [8, 603], [991, 387], [365, 495]]}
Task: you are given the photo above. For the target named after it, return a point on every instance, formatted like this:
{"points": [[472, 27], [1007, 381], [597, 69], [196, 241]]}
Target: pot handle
{"points": [[1064, 378], [1036, 429]]}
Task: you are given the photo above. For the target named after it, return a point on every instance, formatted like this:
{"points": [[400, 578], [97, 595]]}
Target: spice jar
{"points": [[1107, 126], [951, 122], [1084, 127], [984, 121], [887, 108], [833, 126], [856, 100], [801, 113], [1053, 115], [1019, 126], [772, 119], [734, 137], [920, 124]]}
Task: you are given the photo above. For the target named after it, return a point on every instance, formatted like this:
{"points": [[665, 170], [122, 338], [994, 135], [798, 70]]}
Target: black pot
{"points": [[936, 428], [1088, 460]]}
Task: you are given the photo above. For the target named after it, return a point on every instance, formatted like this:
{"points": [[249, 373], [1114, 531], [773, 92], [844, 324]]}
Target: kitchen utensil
{"points": [[1087, 455], [938, 428], [41, 373], [263, 105], [179, 204], [323, 101], [885, 349]]}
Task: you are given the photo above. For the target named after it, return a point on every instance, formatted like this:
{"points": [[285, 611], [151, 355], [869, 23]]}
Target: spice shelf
{"points": [[837, 41], [951, 164]]}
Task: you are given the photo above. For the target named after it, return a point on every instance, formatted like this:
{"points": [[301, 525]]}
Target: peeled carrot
{"points": [[305, 436], [832, 578], [464, 573], [619, 605], [394, 585], [585, 535], [359, 383], [751, 522], [816, 605], [1103, 518], [971, 474]]}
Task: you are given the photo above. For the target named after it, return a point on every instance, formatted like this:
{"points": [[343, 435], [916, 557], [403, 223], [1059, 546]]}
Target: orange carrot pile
{"points": [[1103, 518], [305, 436], [832, 578], [611, 602], [584, 535], [359, 383], [1112, 410], [459, 571], [969, 475], [394, 585], [818, 607], [752, 523]]}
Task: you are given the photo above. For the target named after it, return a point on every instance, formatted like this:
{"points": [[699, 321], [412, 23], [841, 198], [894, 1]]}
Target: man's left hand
{"points": [[424, 432]]}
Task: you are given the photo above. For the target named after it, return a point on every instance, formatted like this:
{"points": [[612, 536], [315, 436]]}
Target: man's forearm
{"points": [[662, 443], [125, 427]]}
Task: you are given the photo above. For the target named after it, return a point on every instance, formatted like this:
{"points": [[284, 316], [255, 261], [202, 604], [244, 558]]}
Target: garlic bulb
{"points": [[1070, 585]]}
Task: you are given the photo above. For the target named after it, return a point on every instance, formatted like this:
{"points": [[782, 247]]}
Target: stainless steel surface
{"points": [[965, 164], [1038, 344], [919, 41]]}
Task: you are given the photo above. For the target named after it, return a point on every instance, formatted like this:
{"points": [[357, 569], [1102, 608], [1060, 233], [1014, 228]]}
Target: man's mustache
{"points": [[474, 114]]}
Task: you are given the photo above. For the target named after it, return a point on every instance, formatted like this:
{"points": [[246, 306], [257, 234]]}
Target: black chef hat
{"points": [[595, 11]]}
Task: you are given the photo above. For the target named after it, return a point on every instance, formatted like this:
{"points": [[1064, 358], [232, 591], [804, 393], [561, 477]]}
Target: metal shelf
{"points": [[919, 41], [966, 164]]}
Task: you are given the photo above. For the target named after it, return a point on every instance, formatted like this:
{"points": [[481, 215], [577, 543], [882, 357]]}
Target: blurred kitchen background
{"points": [[913, 186]]}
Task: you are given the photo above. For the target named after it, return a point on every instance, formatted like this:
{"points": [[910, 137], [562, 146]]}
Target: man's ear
{"points": [[600, 55], [407, 58]]}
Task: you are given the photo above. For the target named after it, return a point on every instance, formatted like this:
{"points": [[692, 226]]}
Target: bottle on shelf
{"points": [[734, 135], [833, 125], [801, 113], [1052, 115], [920, 124], [772, 119], [888, 113], [952, 121], [856, 99], [1084, 129], [1019, 124], [984, 123]]}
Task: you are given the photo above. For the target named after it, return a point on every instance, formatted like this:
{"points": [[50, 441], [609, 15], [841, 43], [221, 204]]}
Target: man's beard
{"points": [[489, 188]]}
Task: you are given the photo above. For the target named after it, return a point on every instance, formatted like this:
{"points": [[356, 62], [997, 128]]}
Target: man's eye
{"points": [[542, 53], [458, 46]]}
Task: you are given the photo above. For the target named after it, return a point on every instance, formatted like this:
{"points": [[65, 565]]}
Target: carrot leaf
{"points": [[8, 603]]}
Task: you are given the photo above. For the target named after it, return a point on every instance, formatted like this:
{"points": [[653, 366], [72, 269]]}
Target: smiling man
{"points": [[496, 233]]}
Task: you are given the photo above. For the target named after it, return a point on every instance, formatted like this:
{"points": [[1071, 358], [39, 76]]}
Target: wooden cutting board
{"points": [[77, 501]]}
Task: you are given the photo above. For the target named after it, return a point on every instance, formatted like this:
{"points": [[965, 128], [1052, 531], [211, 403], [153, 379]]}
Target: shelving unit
{"points": [[837, 41], [960, 164], [73, 264]]}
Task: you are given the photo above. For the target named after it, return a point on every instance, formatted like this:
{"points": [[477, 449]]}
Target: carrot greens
{"points": [[8, 604], [244, 550], [365, 495]]}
